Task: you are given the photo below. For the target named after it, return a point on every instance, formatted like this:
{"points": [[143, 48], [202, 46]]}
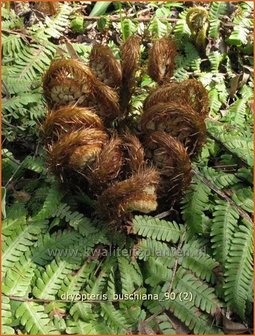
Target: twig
{"points": [[209, 184]]}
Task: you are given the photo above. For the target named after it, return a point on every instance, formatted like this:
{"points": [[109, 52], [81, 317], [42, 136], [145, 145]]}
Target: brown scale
{"points": [[161, 60], [190, 92], [71, 82], [137, 193], [105, 66], [179, 121], [172, 162]]}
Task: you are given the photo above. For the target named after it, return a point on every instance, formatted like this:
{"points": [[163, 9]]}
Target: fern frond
{"points": [[50, 204], [32, 316], [83, 311], [84, 328], [165, 325], [158, 28], [50, 280], [114, 318], [97, 284], [149, 247], [203, 296], [244, 198], [224, 224], [217, 9], [181, 28], [236, 114], [55, 245], [19, 241], [214, 101], [191, 316], [17, 280], [16, 216], [215, 59], [6, 320], [33, 61], [73, 283], [20, 101], [239, 269], [238, 144], [195, 202], [219, 178], [54, 26], [197, 261], [130, 274], [12, 45], [151, 227], [128, 28], [158, 270]]}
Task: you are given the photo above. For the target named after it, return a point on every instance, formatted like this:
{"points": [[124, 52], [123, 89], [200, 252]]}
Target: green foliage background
{"points": [[47, 232]]}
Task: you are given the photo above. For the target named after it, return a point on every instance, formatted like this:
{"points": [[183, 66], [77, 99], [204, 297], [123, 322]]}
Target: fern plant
{"points": [[185, 269]]}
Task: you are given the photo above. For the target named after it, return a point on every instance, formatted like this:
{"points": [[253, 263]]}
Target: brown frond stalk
{"points": [[190, 91], [105, 66], [69, 118], [70, 82], [138, 193], [177, 120], [107, 166], [134, 152], [76, 150], [130, 54], [161, 60], [173, 163]]}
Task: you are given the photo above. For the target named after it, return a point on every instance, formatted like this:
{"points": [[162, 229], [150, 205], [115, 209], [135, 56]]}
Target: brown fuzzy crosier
{"points": [[122, 169]]}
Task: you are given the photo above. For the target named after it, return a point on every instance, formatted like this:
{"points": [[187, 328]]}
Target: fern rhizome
{"points": [[127, 169]]}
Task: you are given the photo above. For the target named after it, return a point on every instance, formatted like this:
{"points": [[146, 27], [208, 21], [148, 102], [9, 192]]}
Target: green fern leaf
{"points": [[19, 241], [114, 318], [219, 178], [17, 280], [50, 280], [196, 260], [184, 310], [33, 61], [130, 274], [158, 28], [11, 45], [83, 311], [165, 325], [203, 296], [151, 227], [149, 247], [128, 28], [50, 204], [239, 265], [6, 320], [32, 316], [224, 224], [217, 9], [158, 270], [73, 283], [244, 198], [84, 328], [19, 102], [181, 28], [56, 245], [195, 203]]}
